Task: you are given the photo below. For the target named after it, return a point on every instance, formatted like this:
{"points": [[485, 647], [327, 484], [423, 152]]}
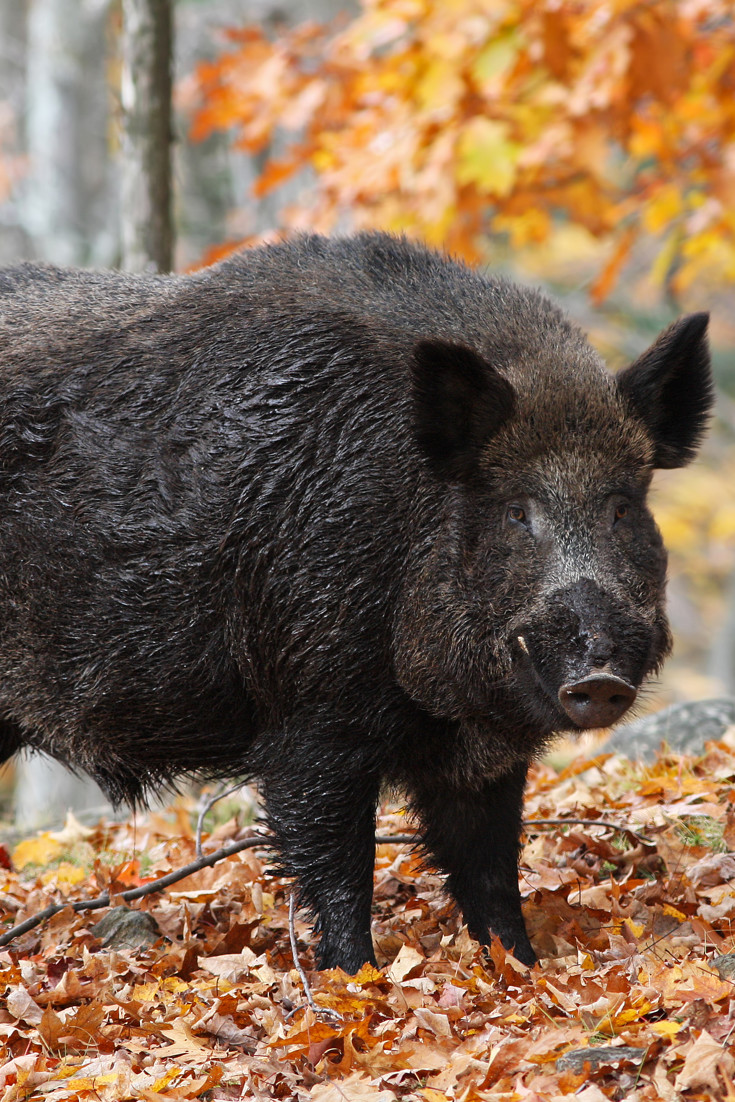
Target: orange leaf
{"points": [[607, 279], [274, 174]]}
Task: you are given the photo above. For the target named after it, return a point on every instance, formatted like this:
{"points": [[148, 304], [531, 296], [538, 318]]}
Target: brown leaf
{"points": [[77, 1031], [704, 1059], [407, 960], [715, 868], [355, 1088], [20, 1004]]}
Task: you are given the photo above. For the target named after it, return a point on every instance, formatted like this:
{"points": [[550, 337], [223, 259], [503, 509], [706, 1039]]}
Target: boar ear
{"points": [[460, 400], [670, 388]]}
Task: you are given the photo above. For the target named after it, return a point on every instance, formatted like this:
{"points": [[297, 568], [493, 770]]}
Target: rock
{"points": [[124, 928], [725, 966], [602, 1056], [685, 728]]}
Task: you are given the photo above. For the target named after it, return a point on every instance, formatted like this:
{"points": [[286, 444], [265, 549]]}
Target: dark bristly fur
{"points": [[335, 515]]}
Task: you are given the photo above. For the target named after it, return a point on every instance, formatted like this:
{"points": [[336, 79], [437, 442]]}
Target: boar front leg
{"points": [[473, 836], [324, 823]]}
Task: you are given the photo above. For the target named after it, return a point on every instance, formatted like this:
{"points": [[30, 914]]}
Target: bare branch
{"points": [[203, 862], [162, 882]]}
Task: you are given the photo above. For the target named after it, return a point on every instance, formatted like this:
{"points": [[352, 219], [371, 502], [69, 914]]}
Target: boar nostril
{"points": [[597, 700]]}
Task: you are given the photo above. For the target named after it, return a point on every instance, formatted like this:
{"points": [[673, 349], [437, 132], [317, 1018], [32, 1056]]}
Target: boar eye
{"points": [[516, 513], [622, 509]]}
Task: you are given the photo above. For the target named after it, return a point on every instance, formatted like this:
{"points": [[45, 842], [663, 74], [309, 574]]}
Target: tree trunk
{"points": [[147, 227], [67, 192], [64, 208], [13, 240]]}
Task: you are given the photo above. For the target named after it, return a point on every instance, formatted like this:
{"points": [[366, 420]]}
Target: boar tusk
{"points": [[522, 642]]}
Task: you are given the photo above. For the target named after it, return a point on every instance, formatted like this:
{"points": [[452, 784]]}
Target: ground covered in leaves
{"points": [[633, 997]]}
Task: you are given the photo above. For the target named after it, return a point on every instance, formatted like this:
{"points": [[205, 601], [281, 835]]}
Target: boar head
{"points": [[536, 602]]}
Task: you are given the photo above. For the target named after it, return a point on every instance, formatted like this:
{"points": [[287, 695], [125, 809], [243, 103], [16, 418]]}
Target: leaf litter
{"points": [[633, 997]]}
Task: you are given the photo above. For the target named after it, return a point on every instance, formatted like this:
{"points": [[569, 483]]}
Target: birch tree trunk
{"points": [[67, 193], [13, 241], [64, 208], [147, 226]]}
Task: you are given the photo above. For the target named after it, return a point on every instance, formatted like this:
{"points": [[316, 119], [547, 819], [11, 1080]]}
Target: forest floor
{"points": [[633, 997]]}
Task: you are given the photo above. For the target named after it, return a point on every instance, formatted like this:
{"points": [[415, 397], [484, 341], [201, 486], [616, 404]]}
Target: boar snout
{"points": [[598, 700], [589, 652]]}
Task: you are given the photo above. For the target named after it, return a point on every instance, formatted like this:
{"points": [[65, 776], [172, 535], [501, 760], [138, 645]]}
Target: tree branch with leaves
{"points": [[454, 122]]}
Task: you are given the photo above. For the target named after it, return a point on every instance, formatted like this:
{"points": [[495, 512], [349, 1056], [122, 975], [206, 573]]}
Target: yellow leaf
{"points": [[646, 138], [496, 58], [531, 228], [367, 974], [37, 851], [93, 1084], [666, 257], [631, 1015], [487, 157], [667, 1029], [66, 873], [165, 1079], [146, 992], [174, 984], [634, 927], [440, 86], [72, 831], [663, 209], [722, 526], [669, 910]]}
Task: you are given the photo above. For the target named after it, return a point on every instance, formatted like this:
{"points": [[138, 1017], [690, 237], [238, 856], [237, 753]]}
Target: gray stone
{"points": [[685, 728], [124, 928], [725, 966], [603, 1056]]}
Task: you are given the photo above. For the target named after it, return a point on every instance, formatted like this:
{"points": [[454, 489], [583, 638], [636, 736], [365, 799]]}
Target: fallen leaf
{"points": [[704, 1059], [408, 958], [354, 1088], [20, 1004]]}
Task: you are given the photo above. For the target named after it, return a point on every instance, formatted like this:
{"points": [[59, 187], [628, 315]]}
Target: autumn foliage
{"points": [[454, 120], [633, 997]]}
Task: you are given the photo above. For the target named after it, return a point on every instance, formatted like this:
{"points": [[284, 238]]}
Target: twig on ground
{"points": [[589, 822], [203, 862], [323, 1011], [206, 807], [162, 882], [135, 893]]}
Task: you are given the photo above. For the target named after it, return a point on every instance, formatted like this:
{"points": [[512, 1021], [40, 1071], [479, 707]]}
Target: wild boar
{"points": [[335, 515]]}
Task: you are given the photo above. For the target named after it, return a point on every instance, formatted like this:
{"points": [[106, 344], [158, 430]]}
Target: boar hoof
{"points": [[597, 701]]}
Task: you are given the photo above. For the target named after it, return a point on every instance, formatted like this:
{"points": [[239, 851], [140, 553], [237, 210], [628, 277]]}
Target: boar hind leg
{"points": [[324, 823], [473, 837]]}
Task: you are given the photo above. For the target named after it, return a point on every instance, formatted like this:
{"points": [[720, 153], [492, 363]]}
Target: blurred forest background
{"points": [[586, 145]]}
